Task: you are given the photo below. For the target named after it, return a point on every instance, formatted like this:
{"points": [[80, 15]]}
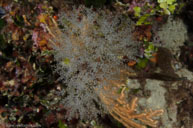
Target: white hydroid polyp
{"points": [[89, 52]]}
